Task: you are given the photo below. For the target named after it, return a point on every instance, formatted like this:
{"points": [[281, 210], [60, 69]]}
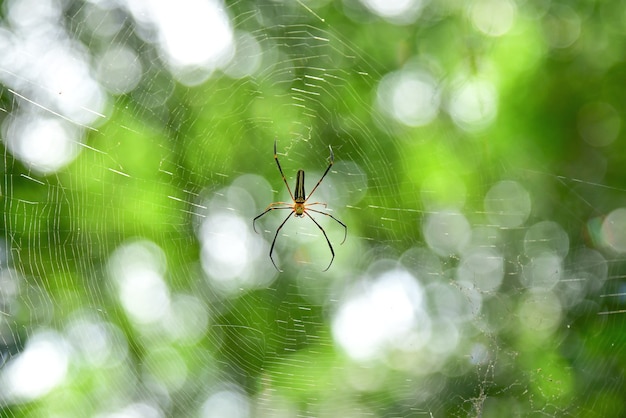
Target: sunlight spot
{"points": [[271, 403], [195, 35], [247, 58], [458, 302], [138, 269], [226, 245], [165, 365], [226, 403], [424, 262], [543, 271], [540, 313], [473, 103], [42, 143], [30, 14], [67, 83], [103, 18], [587, 271], [493, 17], [350, 185], [446, 232], [379, 316], [483, 267], [599, 124], [226, 249], [187, 319], [445, 337], [487, 236], [507, 204], [52, 77], [410, 97], [562, 26], [396, 11], [136, 410], [53, 90], [479, 354], [144, 295], [36, 370], [473, 299], [591, 267], [97, 343], [546, 237], [231, 252], [614, 230], [10, 282], [119, 69]]}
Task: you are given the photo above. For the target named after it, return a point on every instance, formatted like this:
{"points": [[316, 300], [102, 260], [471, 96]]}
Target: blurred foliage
{"points": [[166, 149]]}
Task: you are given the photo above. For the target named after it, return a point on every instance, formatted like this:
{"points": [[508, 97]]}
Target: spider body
{"points": [[299, 206], [299, 197]]}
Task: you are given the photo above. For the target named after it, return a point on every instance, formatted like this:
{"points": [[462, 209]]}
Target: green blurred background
{"points": [[478, 167]]}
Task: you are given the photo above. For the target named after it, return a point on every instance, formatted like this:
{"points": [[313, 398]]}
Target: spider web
{"points": [[482, 273]]}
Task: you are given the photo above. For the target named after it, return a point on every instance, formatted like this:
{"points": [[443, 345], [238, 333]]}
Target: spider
{"points": [[300, 207]]}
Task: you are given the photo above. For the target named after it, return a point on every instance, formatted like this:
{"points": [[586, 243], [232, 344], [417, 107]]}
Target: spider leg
{"points": [[276, 236], [345, 228], [332, 160], [325, 236], [317, 203], [281, 171], [270, 208]]}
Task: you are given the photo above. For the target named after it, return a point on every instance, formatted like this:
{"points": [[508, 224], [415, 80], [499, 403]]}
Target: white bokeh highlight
{"points": [[493, 17], [446, 232], [37, 370], [119, 69], [542, 272], [410, 96], [540, 313], [138, 269], [377, 317], [473, 103], [229, 402], [546, 237], [233, 256], [195, 36], [55, 96], [599, 124], [46, 144], [507, 204], [395, 11], [614, 230], [483, 267]]}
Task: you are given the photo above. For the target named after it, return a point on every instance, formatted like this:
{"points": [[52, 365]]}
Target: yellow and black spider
{"points": [[299, 206]]}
